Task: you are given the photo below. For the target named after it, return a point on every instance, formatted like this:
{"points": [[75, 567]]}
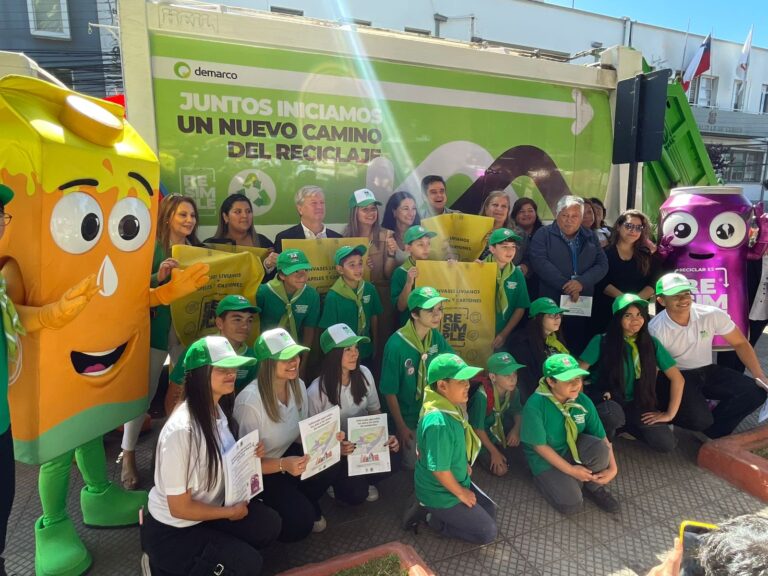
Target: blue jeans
{"points": [[476, 524]]}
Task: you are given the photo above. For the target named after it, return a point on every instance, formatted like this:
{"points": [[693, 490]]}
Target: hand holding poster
{"points": [[318, 438], [194, 316], [242, 470], [461, 235], [582, 306], [369, 434], [320, 254], [468, 317]]}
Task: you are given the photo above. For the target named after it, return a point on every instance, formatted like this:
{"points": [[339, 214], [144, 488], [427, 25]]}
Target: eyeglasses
{"points": [[554, 316], [629, 227], [5, 219]]}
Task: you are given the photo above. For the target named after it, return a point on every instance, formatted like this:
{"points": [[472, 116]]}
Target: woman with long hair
{"points": [[176, 224], [188, 530], [346, 383], [631, 266], [400, 213], [624, 363], [236, 227], [540, 339], [274, 404], [525, 215], [496, 206]]}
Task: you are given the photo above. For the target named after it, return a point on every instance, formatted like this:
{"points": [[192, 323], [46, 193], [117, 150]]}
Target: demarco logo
{"points": [[182, 70]]}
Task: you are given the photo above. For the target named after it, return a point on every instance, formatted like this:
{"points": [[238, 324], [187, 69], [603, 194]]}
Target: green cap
{"points": [[345, 251], [362, 197], [235, 303], [503, 235], [6, 194], [293, 260], [425, 297], [625, 300], [416, 232], [445, 366], [214, 351], [562, 367], [277, 344], [672, 283], [340, 336], [503, 363], [544, 305]]}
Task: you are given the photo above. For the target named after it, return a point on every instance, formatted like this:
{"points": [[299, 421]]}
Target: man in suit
{"points": [[310, 204]]}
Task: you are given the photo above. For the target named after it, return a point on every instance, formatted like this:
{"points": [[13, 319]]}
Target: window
{"points": [[737, 100], [764, 100], [289, 11], [703, 91], [745, 166], [48, 18]]}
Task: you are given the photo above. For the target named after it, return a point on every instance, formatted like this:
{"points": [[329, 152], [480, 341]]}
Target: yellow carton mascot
{"points": [[85, 189]]}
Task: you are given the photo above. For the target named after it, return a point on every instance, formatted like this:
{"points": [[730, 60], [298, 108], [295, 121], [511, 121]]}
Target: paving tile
{"points": [[458, 565], [642, 549], [502, 558], [604, 527], [526, 516]]}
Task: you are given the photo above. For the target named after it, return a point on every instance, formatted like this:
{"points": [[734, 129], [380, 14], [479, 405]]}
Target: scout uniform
{"points": [[511, 289], [353, 307], [400, 275], [292, 312]]}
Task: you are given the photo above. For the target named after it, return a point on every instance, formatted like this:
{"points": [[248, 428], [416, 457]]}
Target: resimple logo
{"points": [[182, 70]]}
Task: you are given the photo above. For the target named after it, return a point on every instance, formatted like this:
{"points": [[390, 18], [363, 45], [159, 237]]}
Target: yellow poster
{"points": [[260, 253], [469, 314], [195, 316], [461, 236], [320, 254]]}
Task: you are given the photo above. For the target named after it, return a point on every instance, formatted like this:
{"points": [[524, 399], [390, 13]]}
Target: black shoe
{"points": [[414, 515], [603, 499]]}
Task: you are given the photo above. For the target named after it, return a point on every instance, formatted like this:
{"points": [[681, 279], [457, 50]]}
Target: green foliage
{"points": [[384, 566]]}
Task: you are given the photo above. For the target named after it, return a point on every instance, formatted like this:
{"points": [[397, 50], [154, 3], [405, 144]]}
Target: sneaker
{"points": [[319, 525], [331, 492], [145, 571], [414, 515], [373, 494], [602, 499]]}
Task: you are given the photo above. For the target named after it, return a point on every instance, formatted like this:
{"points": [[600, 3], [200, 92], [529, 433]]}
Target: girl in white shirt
{"points": [[344, 382], [188, 529]]}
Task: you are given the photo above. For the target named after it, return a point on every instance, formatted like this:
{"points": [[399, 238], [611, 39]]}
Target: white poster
{"points": [[242, 470], [369, 434], [318, 437]]}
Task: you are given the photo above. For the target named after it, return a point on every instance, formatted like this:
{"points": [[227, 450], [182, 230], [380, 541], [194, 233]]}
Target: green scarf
{"points": [[632, 342], [502, 302], [552, 341], [11, 324], [434, 401], [342, 289], [499, 407], [408, 333], [287, 321], [571, 431]]}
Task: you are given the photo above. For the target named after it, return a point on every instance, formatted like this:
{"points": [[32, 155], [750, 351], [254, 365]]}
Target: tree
{"points": [[720, 156]]}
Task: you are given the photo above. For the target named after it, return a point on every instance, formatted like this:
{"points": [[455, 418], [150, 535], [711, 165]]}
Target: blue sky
{"points": [[727, 21]]}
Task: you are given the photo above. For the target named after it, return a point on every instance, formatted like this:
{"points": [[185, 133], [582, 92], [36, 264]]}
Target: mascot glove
{"points": [[761, 219], [59, 314], [665, 247], [183, 283]]}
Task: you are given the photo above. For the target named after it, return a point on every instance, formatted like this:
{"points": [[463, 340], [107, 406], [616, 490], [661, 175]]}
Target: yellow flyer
{"points": [[260, 253], [462, 236], [241, 273], [469, 314], [320, 254]]}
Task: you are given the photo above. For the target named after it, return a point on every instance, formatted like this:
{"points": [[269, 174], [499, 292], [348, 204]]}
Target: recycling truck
{"points": [[241, 101]]}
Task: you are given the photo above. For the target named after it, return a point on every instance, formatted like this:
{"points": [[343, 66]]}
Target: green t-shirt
{"points": [[593, 351], [543, 424], [245, 374], [396, 286], [482, 419], [517, 296], [398, 372], [5, 413], [440, 439], [306, 310], [338, 309], [160, 316]]}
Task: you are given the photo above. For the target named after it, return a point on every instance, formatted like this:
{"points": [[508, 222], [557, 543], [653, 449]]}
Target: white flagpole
{"points": [[685, 45]]}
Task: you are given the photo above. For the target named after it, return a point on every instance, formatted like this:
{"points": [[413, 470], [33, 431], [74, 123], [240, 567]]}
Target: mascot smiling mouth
{"points": [[697, 256], [96, 363]]}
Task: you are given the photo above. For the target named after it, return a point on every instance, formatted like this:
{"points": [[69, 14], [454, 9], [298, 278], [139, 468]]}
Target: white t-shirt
{"points": [[181, 465], [691, 345], [318, 401], [277, 436]]}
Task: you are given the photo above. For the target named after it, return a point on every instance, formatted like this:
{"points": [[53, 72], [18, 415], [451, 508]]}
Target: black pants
{"points": [[627, 415], [353, 490], [737, 395], [576, 330], [730, 359], [199, 549], [7, 485]]}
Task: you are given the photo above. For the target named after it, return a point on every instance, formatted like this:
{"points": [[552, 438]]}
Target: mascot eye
{"points": [[76, 223], [728, 230], [682, 227], [129, 224]]}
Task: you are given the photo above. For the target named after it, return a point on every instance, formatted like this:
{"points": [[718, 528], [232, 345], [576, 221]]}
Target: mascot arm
{"points": [[182, 283], [60, 313]]}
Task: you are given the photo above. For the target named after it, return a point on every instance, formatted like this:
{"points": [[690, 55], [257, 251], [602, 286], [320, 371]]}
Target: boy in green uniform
{"points": [[495, 408], [448, 447], [407, 354], [418, 243], [234, 319], [353, 301], [511, 290]]}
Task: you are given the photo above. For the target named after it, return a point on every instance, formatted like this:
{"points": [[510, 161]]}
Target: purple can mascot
{"points": [[705, 233]]}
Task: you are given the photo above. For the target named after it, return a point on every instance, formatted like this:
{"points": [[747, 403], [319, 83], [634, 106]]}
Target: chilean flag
{"points": [[699, 63]]}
